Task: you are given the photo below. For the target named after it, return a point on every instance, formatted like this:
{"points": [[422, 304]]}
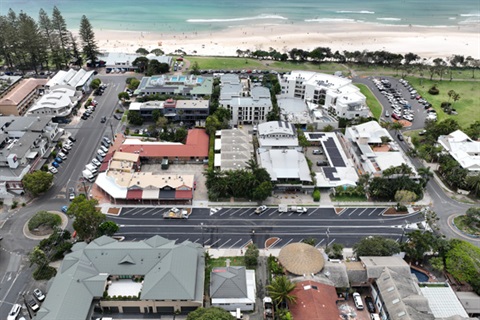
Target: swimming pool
{"points": [[421, 276]]}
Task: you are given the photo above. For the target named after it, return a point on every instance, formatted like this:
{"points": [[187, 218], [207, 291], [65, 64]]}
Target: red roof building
{"points": [[195, 148], [315, 301]]}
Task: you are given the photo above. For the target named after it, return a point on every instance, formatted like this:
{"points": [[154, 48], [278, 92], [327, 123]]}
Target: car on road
{"points": [[67, 146], [370, 304], [38, 294], [72, 138], [71, 193], [101, 153], [103, 120], [118, 117], [58, 160], [261, 209], [52, 170], [14, 312], [400, 137], [64, 209], [96, 162], [33, 305], [55, 164]]}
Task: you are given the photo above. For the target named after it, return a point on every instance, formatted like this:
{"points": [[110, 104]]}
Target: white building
{"points": [[233, 149], [232, 288], [463, 149], [57, 101], [78, 80], [335, 94], [364, 145], [277, 135], [248, 105]]}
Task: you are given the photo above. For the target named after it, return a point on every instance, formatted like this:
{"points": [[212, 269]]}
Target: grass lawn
{"points": [[460, 223], [467, 106], [327, 67], [372, 101], [226, 63], [221, 262]]}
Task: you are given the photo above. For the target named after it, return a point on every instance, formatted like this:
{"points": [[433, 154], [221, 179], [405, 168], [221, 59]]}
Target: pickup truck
{"points": [[88, 175], [298, 209], [177, 213]]}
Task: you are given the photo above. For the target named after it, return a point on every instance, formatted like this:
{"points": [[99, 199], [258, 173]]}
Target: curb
{"points": [[30, 236]]}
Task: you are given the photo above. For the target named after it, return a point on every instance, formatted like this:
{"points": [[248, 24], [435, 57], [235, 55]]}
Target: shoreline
{"points": [[427, 42]]}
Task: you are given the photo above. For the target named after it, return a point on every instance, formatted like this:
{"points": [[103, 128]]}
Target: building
{"points": [[305, 114], [121, 60], [195, 149], [314, 301], [463, 149], [19, 95], [233, 149], [232, 288], [78, 80], [24, 143], [149, 276], [122, 182], [189, 86], [335, 94], [57, 101], [174, 110], [373, 150], [248, 105], [340, 171], [281, 155]]}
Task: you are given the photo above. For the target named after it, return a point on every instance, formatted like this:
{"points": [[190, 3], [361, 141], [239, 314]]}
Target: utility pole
{"points": [[85, 188]]}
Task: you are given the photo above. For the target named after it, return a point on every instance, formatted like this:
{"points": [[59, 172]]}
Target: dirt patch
{"points": [[338, 210], [394, 211], [42, 231], [270, 241], [114, 211]]}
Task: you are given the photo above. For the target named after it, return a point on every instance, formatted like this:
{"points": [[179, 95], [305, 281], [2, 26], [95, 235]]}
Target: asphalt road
{"points": [[236, 227]]}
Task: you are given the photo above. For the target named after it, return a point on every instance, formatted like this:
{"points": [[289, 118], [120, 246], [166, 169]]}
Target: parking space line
{"points": [[251, 214], [382, 212], [287, 242], [206, 241], [231, 214], [215, 242], [290, 214], [371, 212], [319, 243], [196, 240], [224, 212], [352, 212], [276, 243], [225, 243], [330, 243], [362, 212], [271, 214], [341, 212], [243, 212], [312, 212], [235, 243]]}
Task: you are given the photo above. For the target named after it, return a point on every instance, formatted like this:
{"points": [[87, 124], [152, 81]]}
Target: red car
{"points": [[395, 116]]}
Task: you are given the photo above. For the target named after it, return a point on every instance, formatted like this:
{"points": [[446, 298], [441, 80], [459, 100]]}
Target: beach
{"points": [[427, 42]]}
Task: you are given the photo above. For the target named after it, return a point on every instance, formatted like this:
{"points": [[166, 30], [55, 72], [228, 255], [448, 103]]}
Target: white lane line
{"points": [[225, 243], [206, 241], [352, 212], [319, 243], [196, 240], [362, 212], [251, 214], [231, 214], [330, 243], [214, 243], [287, 242], [235, 244], [224, 212]]}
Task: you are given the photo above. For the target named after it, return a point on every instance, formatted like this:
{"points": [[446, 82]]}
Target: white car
{"points": [[67, 146], [38, 294], [14, 312], [101, 153], [62, 156], [104, 149], [52, 170], [261, 209], [95, 162]]}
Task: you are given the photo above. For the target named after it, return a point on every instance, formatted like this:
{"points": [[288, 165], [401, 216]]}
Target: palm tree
{"points": [[397, 126], [425, 173], [279, 290], [474, 183]]}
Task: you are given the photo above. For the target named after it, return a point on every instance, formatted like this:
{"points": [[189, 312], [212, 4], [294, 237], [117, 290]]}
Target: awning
{"points": [[32, 155]]}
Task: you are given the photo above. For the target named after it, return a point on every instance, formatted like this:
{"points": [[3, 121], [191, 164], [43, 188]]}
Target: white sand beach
{"points": [[427, 42]]}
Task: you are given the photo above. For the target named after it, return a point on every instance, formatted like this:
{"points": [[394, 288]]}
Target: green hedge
{"points": [[316, 195], [44, 218]]}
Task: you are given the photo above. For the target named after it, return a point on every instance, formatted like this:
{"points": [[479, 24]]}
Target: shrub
{"points": [[44, 273], [14, 204], [316, 195], [44, 218], [434, 90]]}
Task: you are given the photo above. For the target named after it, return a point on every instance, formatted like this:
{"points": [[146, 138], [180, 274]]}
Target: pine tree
{"points": [[60, 27], [31, 41], [89, 45], [46, 28], [75, 52]]}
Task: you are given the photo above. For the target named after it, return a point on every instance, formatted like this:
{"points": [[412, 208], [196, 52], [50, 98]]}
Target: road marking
{"points": [[206, 241], [311, 212], [251, 214], [241, 214], [319, 243], [224, 212], [214, 243], [382, 212], [231, 214], [287, 242], [330, 243], [271, 214], [362, 212], [290, 214], [352, 212], [135, 213], [196, 240], [275, 243], [144, 213], [235, 243]]}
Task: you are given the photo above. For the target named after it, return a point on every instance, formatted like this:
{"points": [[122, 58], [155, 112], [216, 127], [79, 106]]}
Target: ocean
{"points": [[203, 15]]}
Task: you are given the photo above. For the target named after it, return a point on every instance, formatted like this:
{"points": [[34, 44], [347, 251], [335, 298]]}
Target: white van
{"points": [[358, 301], [374, 316], [13, 315], [237, 314]]}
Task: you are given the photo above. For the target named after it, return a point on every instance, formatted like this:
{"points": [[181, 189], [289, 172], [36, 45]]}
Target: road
{"points": [[15, 274], [236, 227]]}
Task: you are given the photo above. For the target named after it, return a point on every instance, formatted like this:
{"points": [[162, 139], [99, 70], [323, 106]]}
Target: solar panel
{"points": [[316, 135], [329, 171], [333, 153]]}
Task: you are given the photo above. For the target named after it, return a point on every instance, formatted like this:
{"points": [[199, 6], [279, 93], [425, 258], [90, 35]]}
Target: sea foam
{"points": [[358, 12], [389, 19], [259, 17], [329, 20]]}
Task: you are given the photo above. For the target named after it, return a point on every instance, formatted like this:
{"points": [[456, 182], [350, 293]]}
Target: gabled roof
{"points": [[228, 282], [24, 88], [314, 301], [171, 272]]}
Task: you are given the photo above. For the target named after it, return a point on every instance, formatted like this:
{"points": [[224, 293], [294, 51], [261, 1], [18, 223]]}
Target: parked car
{"points": [[64, 209], [103, 120], [395, 116], [357, 299], [260, 209], [118, 117], [370, 304], [52, 170], [317, 151], [101, 153], [38, 294], [71, 193], [14, 312], [107, 140], [421, 133], [58, 160], [55, 164], [67, 146], [62, 156], [72, 138], [104, 149], [95, 162], [33, 305]]}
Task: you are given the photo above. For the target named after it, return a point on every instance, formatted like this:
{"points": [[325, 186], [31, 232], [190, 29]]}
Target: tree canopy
{"points": [[463, 262], [37, 182], [89, 45], [376, 246], [280, 290], [88, 219], [212, 313]]}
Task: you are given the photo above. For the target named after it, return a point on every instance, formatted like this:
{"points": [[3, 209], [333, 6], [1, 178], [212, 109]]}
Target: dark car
{"points": [[103, 120], [370, 304], [118, 117], [84, 117], [72, 138], [400, 137]]}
